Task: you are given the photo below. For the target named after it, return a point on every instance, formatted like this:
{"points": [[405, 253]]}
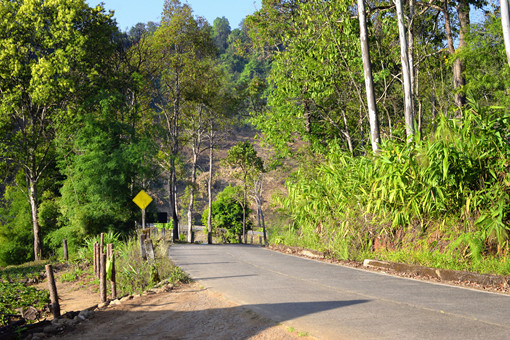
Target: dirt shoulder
{"points": [[185, 312]]}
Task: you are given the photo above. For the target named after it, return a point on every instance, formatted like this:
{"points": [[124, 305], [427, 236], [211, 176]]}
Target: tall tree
{"points": [[49, 59], [369, 83], [248, 165], [178, 46], [406, 71], [462, 9], [220, 33]]}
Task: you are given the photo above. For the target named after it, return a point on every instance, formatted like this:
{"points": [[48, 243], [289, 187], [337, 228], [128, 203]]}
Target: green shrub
{"points": [[453, 185], [227, 215]]}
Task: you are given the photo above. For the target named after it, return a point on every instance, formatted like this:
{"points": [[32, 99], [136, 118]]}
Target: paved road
{"points": [[335, 302]]}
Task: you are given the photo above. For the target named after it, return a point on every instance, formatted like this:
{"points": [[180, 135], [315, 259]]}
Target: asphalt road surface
{"points": [[335, 302]]}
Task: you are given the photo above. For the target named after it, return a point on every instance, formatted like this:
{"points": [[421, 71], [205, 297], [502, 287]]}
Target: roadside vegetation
{"points": [[440, 202], [16, 291], [134, 276]]}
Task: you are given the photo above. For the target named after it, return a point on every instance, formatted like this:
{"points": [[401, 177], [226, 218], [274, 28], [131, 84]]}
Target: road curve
{"points": [[334, 302]]}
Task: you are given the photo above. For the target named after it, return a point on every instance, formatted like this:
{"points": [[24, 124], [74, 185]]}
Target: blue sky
{"points": [[130, 12]]}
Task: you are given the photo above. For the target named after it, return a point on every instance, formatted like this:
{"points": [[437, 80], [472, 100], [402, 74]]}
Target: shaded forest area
{"points": [[389, 120]]}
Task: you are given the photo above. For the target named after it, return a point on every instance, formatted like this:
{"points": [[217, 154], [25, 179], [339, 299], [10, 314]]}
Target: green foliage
{"points": [[15, 228], [49, 67], [245, 160], [135, 275], [28, 270], [227, 215], [15, 294], [459, 175], [87, 250], [220, 32], [177, 275], [487, 72], [462, 170], [109, 156], [72, 274]]}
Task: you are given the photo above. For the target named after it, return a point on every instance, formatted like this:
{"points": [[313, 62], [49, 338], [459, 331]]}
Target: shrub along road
{"points": [[332, 301]]}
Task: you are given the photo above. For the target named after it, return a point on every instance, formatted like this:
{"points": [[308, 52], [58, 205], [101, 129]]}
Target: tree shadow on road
{"points": [[162, 320]]}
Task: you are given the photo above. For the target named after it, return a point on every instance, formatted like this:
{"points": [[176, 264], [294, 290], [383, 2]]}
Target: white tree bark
{"points": [[406, 72], [209, 184], [505, 21], [369, 82]]}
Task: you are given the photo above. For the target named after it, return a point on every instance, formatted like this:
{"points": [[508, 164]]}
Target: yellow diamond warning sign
{"points": [[142, 199]]}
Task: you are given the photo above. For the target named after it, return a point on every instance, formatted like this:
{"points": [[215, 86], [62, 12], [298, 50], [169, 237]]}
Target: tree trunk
{"points": [[410, 44], [192, 195], [263, 225], [34, 206], [197, 140], [406, 72], [347, 134], [209, 186], [175, 152], [505, 21], [258, 190], [244, 210], [458, 67], [369, 83]]}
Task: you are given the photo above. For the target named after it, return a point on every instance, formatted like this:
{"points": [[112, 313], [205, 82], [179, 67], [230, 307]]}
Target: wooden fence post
{"points": [[96, 259], [113, 281], [66, 254], [101, 245], [102, 278], [149, 248], [143, 253], [54, 307]]}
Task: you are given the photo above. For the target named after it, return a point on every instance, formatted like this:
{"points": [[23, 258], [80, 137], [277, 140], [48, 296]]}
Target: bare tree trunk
{"points": [[175, 152], [259, 189], [244, 210], [410, 44], [192, 195], [361, 129], [263, 225], [458, 66], [406, 72], [34, 206], [209, 185], [347, 134], [196, 143], [464, 22], [369, 82], [505, 21]]}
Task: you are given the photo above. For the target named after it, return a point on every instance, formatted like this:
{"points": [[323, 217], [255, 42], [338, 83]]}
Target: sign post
{"points": [[142, 200]]}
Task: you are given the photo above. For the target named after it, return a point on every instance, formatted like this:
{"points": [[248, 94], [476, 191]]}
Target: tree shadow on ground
{"points": [[240, 322]]}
